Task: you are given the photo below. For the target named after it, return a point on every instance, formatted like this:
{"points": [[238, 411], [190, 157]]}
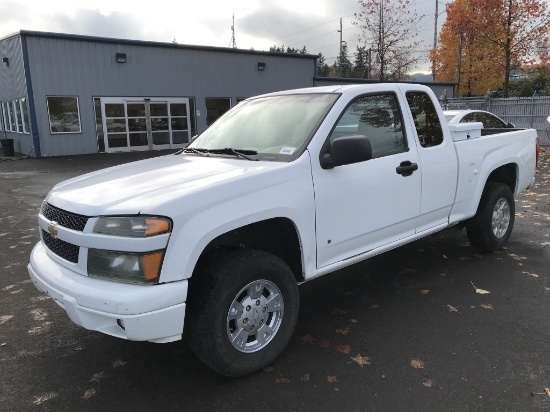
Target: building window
{"points": [[25, 115], [64, 114], [215, 108], [18, 115], [11, 116], [1, 116]]}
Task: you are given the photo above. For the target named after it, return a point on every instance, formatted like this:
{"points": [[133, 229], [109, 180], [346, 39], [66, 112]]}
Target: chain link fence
{"points": [[523, 112]]}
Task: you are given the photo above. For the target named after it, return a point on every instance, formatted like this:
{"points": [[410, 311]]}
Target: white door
{"points": [[145, 124], [362, 206]]}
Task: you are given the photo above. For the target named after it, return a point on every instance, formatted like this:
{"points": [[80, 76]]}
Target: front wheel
{"points": [[491, 227], [242, 311]]}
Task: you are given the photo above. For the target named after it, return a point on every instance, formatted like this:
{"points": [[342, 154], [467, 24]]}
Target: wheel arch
{"points": [[278, 236], [507, 174]]}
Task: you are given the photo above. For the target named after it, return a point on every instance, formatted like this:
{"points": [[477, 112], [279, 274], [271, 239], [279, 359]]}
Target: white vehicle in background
{"points": [[281, 189], [489, 120]]}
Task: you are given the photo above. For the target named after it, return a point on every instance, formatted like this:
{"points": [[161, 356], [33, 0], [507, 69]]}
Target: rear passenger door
{"points": [[365, 205]]}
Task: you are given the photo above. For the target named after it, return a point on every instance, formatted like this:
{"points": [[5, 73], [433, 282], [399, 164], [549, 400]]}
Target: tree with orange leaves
{"points": [[490, 38]]}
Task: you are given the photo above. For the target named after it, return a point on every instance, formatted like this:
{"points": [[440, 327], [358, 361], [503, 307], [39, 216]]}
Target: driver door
{"points": [[365, 205]]}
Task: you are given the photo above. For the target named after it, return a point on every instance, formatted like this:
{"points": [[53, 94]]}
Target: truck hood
{"points": [[132, 187]]}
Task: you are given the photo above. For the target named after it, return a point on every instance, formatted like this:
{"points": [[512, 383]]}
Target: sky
{"points": [[259, 24]]}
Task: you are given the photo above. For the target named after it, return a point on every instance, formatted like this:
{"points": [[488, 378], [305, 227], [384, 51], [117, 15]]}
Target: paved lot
{"points": [[405, 331]]}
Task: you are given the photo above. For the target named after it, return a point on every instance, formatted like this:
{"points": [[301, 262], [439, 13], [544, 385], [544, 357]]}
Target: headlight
{"points": [[125, 266], [132, 226]]}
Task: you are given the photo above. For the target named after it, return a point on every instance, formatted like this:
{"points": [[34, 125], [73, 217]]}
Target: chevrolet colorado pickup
{"points": [[283, 188]]}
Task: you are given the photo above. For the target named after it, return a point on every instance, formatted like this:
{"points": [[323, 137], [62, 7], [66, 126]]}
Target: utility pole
{"points": [[233, 42], [340, 62], [435, 38]]}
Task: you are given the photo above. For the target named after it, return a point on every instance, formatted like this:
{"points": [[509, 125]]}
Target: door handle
{"points": [[406, 168]]}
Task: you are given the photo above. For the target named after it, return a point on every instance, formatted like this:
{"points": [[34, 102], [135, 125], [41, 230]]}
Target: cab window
{"points": [[426, 120]]}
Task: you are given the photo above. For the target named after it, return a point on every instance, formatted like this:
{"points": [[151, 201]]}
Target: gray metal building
{"points": [[66, 94]]}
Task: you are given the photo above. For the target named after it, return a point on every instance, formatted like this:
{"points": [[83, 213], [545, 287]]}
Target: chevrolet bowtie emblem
{"points": [[52, 229]]}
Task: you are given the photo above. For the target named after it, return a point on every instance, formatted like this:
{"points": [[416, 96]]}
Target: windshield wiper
{"points": [[201, 152], [242, 153]]}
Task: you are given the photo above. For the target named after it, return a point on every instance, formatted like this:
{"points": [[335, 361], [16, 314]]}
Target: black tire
{"points": [[491, 227], [221, 286]]}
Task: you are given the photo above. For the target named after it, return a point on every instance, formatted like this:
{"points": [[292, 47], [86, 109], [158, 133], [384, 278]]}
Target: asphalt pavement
{"points": [[431, 326]]}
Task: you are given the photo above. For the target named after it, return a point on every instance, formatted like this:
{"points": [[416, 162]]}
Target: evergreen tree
{"points": [[343, 64]]}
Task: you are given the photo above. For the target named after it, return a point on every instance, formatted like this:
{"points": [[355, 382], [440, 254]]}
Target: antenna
{"points": [[233, 42]]}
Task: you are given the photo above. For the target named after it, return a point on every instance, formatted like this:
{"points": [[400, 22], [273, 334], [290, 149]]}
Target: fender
{"points": [[288, 193]]}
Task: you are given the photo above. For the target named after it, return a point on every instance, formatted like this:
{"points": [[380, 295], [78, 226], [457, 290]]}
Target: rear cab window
{"points": [[426, 120]]}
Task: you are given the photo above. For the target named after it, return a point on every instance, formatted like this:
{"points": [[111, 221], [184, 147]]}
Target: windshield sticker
{"points": [[287, 150]]}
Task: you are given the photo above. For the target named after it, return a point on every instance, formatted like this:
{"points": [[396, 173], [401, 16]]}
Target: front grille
{"points": [[64, 218], [61, 248]]}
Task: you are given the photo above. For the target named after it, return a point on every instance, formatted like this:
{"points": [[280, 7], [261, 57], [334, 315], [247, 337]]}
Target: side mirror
{"points": [[345, 150], [510, 126]]}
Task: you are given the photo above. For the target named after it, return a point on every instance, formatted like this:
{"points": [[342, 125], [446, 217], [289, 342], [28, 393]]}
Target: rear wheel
{"points": [[242, 311], [491, 227]]}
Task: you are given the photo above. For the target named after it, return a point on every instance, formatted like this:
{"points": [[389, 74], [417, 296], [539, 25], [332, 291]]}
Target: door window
{"points": [[426, 120], [378, 118]]}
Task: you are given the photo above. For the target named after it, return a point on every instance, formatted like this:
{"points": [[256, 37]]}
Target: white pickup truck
{"points": [[283, 188]]}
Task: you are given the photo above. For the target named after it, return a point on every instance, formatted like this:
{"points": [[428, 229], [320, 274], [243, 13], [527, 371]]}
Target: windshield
{"points": [[276, 127]]}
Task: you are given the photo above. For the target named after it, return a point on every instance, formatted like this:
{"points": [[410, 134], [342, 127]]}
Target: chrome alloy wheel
{"points": [[501, 218], [255, 316]]}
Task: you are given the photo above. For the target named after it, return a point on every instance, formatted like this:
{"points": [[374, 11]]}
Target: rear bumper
{"points": [[152, 313]]}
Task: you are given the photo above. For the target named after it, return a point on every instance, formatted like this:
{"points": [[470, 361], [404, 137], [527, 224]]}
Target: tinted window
{"points": [[426, 121]]}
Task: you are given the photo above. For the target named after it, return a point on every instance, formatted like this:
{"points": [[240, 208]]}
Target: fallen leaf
{"points": [[531, 274], [445, 257], [39, 400], [545, 243], [464, 258], [480, 291], [443, 274], [452, 308], [516, 257], [424, 291], [547, 390], [324, 343], [5, 318], [280, 379], [97, 377], [361, 360], [89, 393], [308, 339], [331, 379], [374, 306], [268, 369], [305, 378], [339, 312], [487, 306], [119, 363], [3, 344], [417, 363], [353, 321], [343, 331], [428, 383], [343, 349]]}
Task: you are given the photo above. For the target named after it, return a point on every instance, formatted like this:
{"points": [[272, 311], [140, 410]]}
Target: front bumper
{"points": [[152, 313]]}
